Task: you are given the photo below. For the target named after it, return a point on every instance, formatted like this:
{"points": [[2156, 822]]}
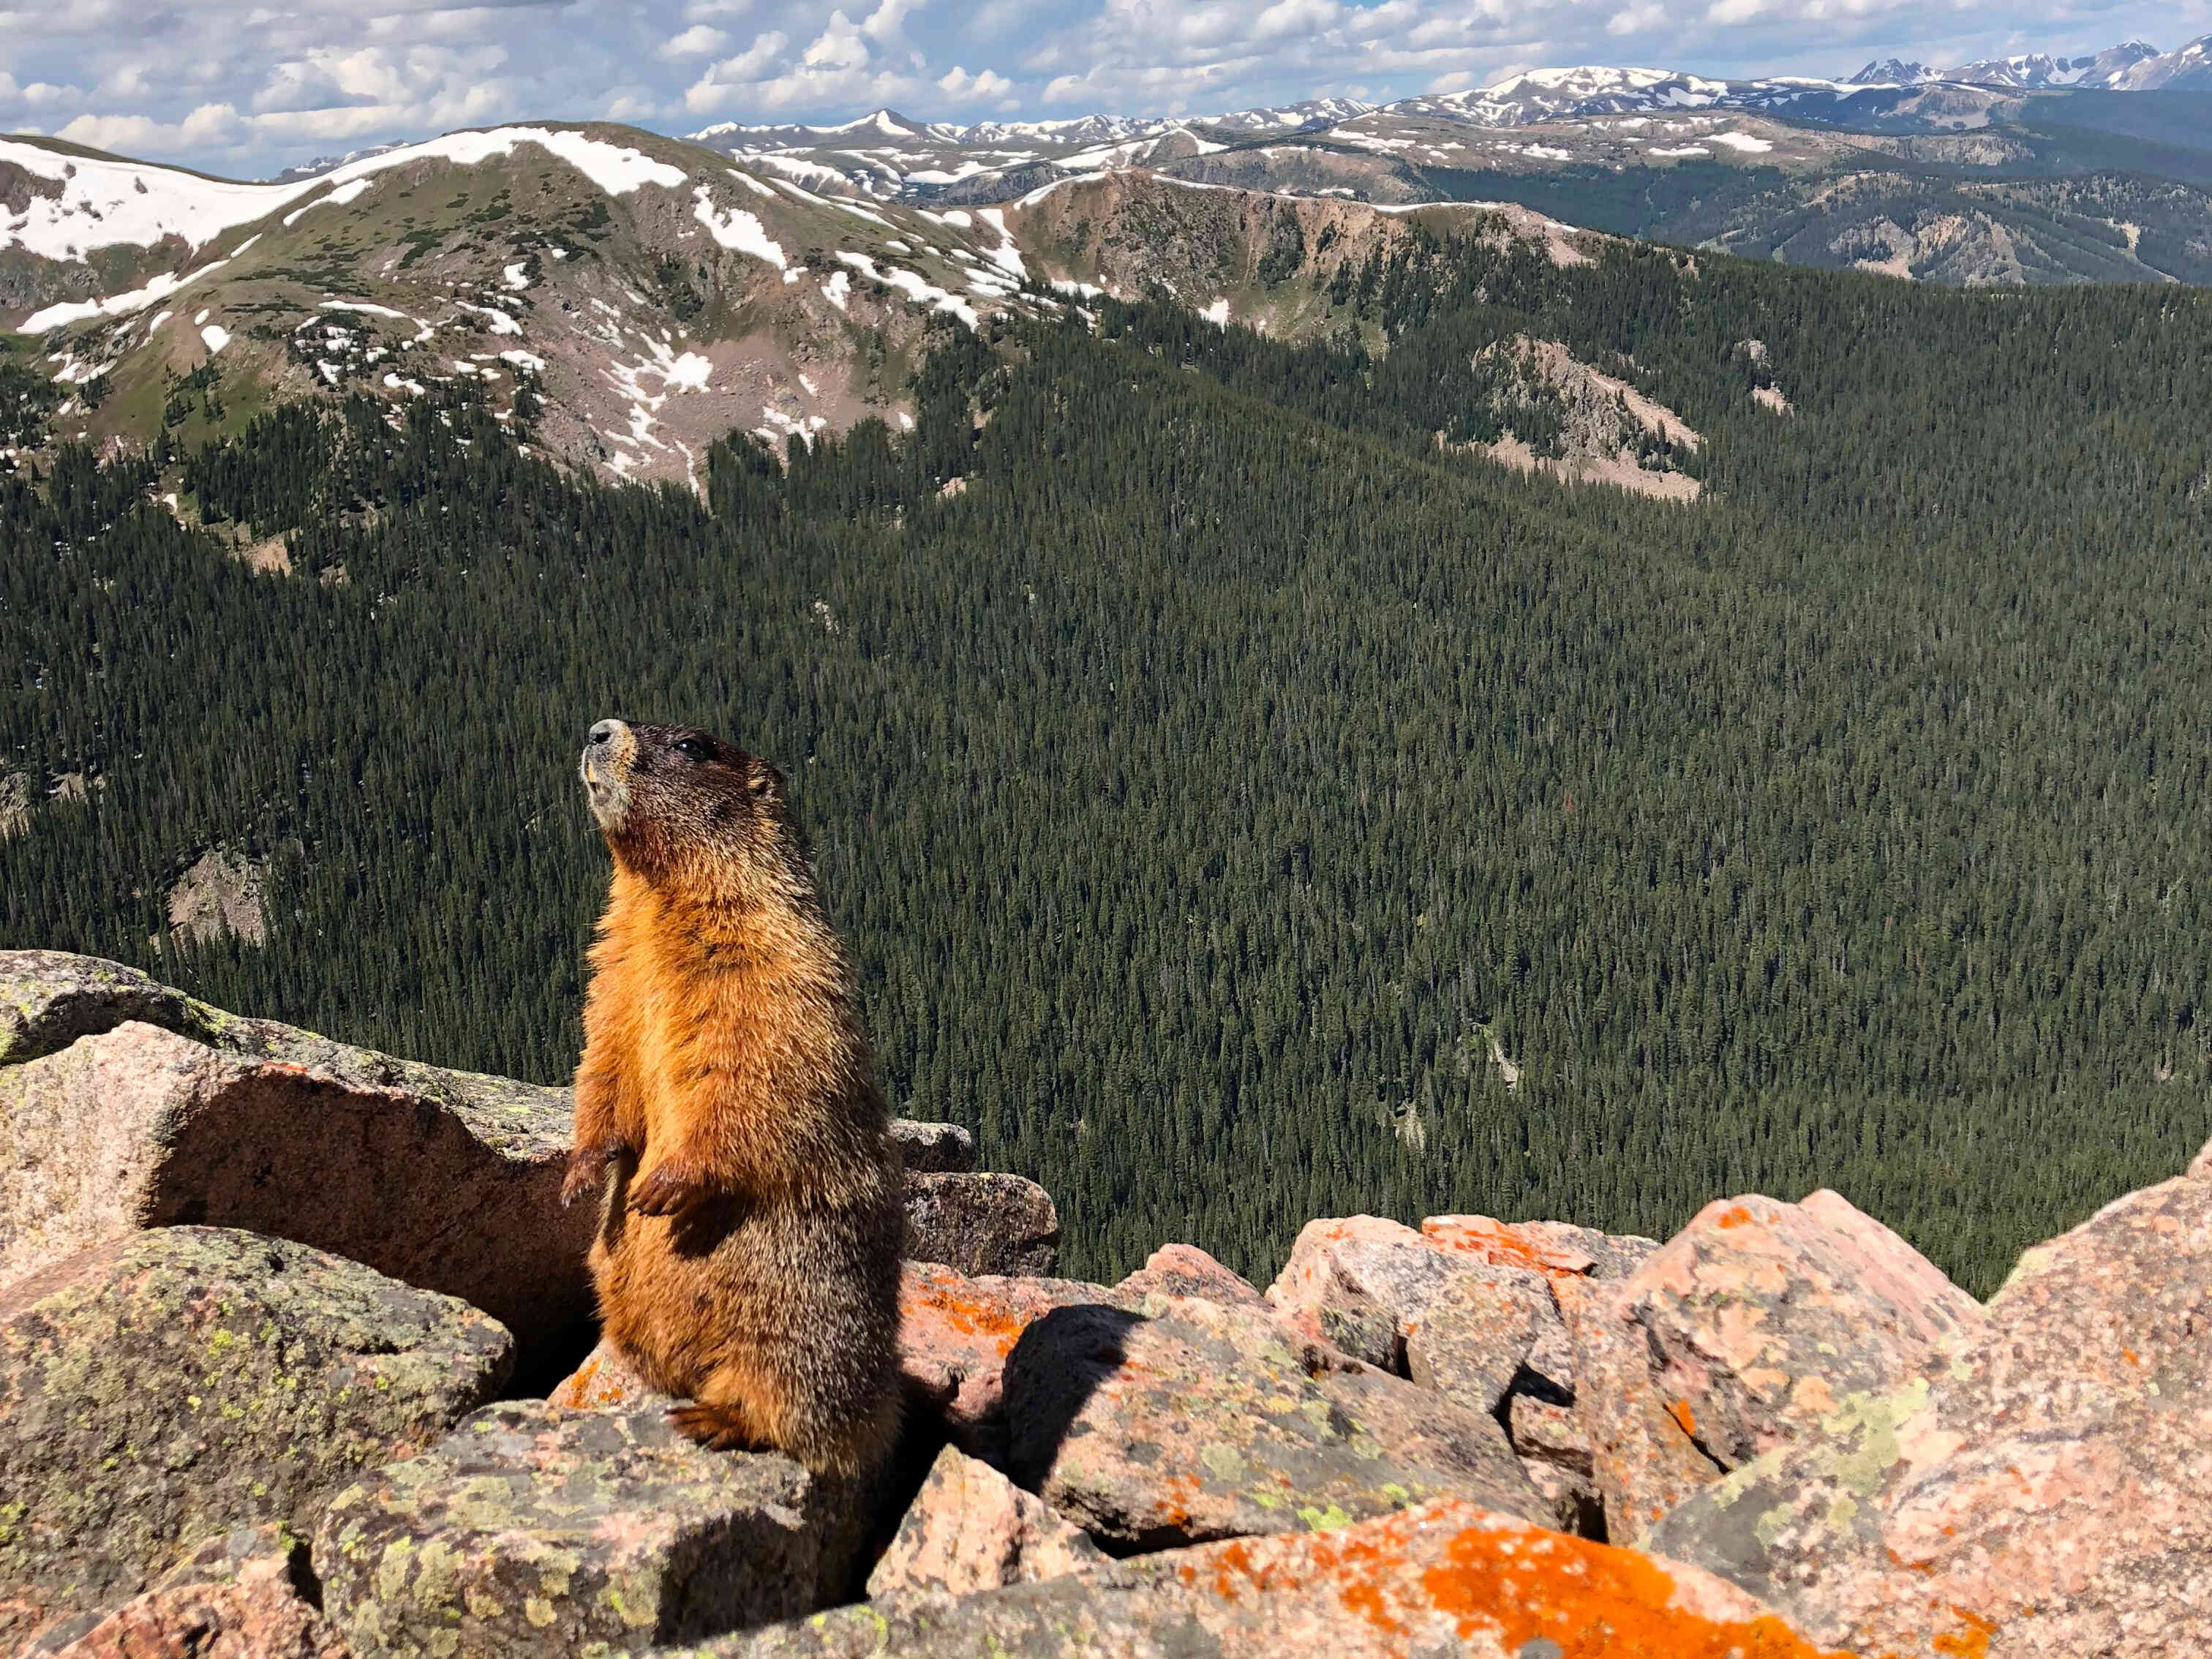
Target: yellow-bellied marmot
{"points": [[747, 1256]]}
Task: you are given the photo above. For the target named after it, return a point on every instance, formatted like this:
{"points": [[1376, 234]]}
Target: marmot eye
{"points": [[696, 749]]}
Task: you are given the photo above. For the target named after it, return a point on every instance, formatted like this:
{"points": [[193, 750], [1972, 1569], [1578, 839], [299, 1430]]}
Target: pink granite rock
{"points": [[238, 1598], [970, 1528], [1468, 1340], [1762, 1317], [1445, 1578], [1361, 1284], [1207, 1420], [2039, 1496], [605, 1382], [955, 1334], [1642, 1461], [1551, 1247], [1184, 1270], [172, 1386], [448, 1181]]}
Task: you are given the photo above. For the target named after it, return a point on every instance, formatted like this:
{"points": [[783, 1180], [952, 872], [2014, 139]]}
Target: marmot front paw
{"points": [[587, 1167], [673, 1186]]}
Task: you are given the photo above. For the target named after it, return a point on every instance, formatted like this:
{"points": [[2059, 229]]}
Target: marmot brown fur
{"points": [[748, 1254]]}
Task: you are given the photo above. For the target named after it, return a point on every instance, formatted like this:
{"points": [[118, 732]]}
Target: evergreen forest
{"points": [[1243, 803]]}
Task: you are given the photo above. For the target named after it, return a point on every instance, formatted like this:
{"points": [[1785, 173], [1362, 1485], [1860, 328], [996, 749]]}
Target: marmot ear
{"points": [[764, 781]]}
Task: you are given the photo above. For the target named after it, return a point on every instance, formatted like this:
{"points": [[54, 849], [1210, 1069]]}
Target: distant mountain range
{"points": [[628, 297]]}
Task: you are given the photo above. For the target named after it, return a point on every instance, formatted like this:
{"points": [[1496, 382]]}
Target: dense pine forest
{"points": [[1243, 804]]}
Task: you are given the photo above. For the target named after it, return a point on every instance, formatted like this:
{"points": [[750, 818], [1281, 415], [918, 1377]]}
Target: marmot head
{"points": [[679, 806]]}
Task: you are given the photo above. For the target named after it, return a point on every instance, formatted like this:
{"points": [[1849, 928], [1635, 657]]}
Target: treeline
{"points": [[1215, 787]]}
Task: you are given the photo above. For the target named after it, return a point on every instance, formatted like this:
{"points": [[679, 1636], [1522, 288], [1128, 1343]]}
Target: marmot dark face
{"points": [[680, 806]]}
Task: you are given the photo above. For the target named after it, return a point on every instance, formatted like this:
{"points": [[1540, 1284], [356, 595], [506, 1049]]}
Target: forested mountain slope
{"points": [[1245, 801]]}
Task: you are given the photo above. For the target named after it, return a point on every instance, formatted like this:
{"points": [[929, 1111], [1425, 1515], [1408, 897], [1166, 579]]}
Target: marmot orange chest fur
{"points": [[748, 1254]]}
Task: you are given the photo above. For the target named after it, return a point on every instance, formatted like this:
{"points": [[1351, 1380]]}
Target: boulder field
{"points": [[297, 1362]]}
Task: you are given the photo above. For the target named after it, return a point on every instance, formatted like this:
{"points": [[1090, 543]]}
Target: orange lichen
{"points": [[1972, 1643], [993, 1322], [1499, 1245], [1679, 1411], [595, 1387], [1735, 1216], [1592, 1600]]}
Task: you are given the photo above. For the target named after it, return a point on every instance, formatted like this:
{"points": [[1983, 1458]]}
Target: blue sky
{"points": [[242, 89]]}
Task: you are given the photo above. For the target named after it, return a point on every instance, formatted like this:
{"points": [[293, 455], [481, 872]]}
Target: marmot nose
{"points": [[605, 731]]}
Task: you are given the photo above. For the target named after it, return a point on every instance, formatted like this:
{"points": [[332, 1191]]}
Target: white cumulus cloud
{"points": [[700, 41]]}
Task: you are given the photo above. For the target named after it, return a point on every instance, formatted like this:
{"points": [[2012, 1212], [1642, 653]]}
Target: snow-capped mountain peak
{"points": [[2114, 67], [1893, 72]]}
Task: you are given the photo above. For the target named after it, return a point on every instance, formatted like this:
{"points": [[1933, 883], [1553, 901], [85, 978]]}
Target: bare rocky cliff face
{"points": [[295, 1360]]}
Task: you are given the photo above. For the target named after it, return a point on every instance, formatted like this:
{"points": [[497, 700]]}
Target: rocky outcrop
{"points": [[1471, 1307], [1787, 1424], [1643, 1461], [955, 1334], [1760, 1319], [2039, 1495], [934, 1148], [1468, 1342], [1442, 1579], [970, 1529], [125, 1104], [171, 1386], [981, 1223], [131, 1105], [1204, 1421], [1185, 1270], [244, 1596], [535, 1530]]}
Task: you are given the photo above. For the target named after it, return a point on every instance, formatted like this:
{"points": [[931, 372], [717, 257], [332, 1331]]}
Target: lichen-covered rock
{"points": [[970, 1528], [955, 1334], [535, 1530], [1551, 1247], [934, 1148], [1642, 1461], [125, 1104], [171, 1386], [1468, 1343], [981, 1224], [1443, 1578], [1760, 1318], [2041, 1495], [238, 1596], [1185, 1270], [1363, 1284], [605, 1382], [1208, 1421]]}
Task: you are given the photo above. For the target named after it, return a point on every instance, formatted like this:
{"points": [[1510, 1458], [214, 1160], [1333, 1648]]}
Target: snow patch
{"points": [[517, 276], [338, 197], [1743, 142], [734, 228], [118, 305], [216, 336], [500, 322], [1006, 256], [1217, 314], [837, 289], [911, 284]]}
